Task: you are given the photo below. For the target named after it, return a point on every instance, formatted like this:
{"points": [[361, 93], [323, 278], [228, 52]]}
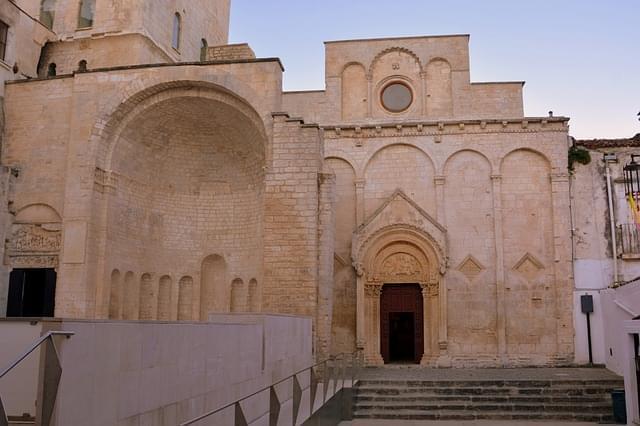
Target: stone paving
{"points": [[454, 374], [370, 422]]}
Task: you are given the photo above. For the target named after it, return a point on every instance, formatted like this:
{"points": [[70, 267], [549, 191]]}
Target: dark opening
{"points": [[51, 71], [32, 293], [401, 337]]}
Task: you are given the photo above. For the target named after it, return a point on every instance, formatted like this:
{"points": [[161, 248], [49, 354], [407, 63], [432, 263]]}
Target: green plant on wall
{"points": [[579, 155]]}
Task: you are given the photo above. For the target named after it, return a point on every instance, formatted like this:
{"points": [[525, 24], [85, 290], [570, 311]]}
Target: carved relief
{"points": [[372, 290], [471, 268], [401, 266], [34, 245], [34, 261], [29, 238], [430, 289], [529, 267]]}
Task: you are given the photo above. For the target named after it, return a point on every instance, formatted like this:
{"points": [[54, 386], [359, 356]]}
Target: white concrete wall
{"points": [[618, 305], [143, 373], [19, 387], [593, 265]]}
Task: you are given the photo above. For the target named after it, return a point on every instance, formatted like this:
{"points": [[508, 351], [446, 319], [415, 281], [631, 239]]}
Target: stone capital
{"points": [[372, 290]]}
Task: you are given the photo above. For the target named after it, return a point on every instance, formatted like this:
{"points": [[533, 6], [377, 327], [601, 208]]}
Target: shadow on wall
{"points": [[149, 299]]}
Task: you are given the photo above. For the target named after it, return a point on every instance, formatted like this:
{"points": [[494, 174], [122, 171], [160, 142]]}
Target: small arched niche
{"points": [[185, 299], [238, 296], [253, 298], [212, 286], [164, 298], [146, 297], [115, 295]]}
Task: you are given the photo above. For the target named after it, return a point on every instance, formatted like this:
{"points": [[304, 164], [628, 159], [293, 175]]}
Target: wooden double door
{"points": [[401, 323]]}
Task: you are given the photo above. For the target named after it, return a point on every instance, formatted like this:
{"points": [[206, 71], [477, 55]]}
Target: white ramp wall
{"points": [[136, 373]]}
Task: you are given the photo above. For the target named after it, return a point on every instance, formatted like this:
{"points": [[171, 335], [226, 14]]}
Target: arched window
{"points": [[82, 66], [203, 49], [51, 71], [47, 12], [177, 24], [85, 16]]}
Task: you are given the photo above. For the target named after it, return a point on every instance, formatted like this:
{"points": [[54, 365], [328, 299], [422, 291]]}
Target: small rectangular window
{"points": [[87, 10], [4, 30], [47, 12]]}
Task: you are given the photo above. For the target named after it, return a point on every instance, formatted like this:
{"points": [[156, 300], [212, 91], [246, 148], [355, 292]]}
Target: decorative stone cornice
{"points": [[440, 128]]}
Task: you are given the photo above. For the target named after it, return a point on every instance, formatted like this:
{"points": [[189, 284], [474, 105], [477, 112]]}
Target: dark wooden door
{"points": [[401, 304]]}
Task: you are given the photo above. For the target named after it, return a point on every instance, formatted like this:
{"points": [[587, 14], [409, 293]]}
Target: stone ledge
{"points": [[449, 127]]}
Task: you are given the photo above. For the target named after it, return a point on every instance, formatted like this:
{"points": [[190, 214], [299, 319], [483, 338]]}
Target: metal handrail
{"points": [[46, 405], [353, 355], [33, 347]]}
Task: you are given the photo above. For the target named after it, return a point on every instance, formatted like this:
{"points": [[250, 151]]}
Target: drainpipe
{"points": [[614, 243]]}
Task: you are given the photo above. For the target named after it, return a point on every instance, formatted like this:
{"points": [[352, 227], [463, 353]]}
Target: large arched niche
{"points": [[185, 171]]}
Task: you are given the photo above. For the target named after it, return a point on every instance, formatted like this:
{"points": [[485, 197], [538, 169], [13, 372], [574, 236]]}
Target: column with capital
{"points": [[372, 352], [370, 95], [441, 283], [359, 183], [427, 337], [562, 264], [423, 82]]}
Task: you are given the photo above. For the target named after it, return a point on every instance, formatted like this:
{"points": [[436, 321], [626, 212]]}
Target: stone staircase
{"points": [[522, 399]]}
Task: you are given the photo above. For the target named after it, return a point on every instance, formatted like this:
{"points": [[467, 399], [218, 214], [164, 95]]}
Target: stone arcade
{"points": [[422, 218]]}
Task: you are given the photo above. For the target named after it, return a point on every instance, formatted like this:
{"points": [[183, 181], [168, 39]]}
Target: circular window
{"points": [[396, 97]]}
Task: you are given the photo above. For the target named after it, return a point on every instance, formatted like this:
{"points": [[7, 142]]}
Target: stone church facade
{"points": [[410, 212]]}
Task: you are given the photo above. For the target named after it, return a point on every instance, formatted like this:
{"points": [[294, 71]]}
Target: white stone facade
{"points": [[176, 190]]}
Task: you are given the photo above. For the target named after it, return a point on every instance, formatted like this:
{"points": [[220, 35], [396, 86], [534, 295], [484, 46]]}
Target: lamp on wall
{"points": [[632, 178]]}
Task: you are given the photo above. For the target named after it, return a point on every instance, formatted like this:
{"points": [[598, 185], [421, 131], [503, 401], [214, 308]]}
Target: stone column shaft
{"points": [[360, 214]]}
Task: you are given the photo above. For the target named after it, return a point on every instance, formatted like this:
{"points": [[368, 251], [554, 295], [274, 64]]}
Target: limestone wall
{"points": [[435, 69], [505, 208], [132, 32], [24, 39], [151, 197]]}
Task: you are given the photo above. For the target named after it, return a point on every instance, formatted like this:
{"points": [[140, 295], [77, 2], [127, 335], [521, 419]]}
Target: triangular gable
{"points": [[400, 211], [397, 195]]}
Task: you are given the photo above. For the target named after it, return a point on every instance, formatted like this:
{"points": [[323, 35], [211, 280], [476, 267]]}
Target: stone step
{"points": [[491, 383], [568, 391], [485, 399], [467, 415], [441, 406]]}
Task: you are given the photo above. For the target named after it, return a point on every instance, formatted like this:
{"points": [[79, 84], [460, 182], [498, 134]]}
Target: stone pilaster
{"points": [[501, 324], [326, 240]]}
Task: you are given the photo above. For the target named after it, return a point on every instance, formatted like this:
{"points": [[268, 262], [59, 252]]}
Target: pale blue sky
{"points": [[580, 58]]}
